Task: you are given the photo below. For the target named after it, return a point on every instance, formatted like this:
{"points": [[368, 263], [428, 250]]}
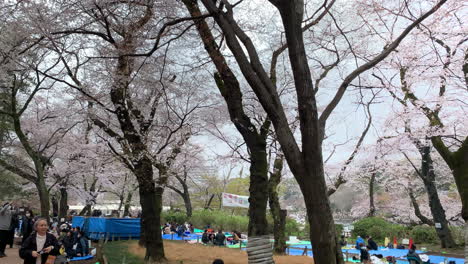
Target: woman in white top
{"points": [[39, 245]]}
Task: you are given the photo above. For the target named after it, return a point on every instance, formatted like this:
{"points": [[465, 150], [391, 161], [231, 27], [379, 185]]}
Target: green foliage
{"points": [[306, 231], [458, 235], [171, 216], [339, 229], [10, 188], [424, 234], [364, 226], [378, 228], [292, 226], [219, 220]]}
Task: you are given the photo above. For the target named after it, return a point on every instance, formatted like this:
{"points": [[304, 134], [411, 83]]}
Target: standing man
{"points": [[6, 214]]}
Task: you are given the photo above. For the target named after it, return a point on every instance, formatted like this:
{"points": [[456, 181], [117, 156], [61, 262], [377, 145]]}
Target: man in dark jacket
{"points": [[220, 238], [371, 243], [39, 244]]}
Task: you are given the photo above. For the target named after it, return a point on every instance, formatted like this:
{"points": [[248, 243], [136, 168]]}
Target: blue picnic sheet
{"points": [[398, 253]]}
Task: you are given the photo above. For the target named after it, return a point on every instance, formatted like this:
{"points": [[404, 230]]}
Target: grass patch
{"points": [[117, 252]]}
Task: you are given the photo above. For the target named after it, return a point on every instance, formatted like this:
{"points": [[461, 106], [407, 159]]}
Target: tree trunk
{"points": [[55, 205], [438, 213], [417, 211], [128, 203], [466, 242], [258, 225], [279, 216], [63, 206], [371, 195], [208, 203], [86, 211], [322, 226], [151, 205], [461, 178], [458, 163], [188, 204], [43, 198]]}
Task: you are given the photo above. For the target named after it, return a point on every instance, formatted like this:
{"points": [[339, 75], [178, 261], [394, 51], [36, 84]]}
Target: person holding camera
{"points": [[6, 215], [40, 246]]}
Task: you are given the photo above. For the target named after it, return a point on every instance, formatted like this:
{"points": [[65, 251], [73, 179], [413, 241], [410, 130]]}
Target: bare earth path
{"points": [[12, 256]]}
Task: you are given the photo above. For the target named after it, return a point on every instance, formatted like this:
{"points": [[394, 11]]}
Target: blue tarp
{"points": [[114, 228], [398, 253], [81, 258], [186, 237]]}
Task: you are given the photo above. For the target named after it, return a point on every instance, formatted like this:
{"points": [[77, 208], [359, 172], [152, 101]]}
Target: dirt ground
{"points": [[200, 254], [12, 256]]}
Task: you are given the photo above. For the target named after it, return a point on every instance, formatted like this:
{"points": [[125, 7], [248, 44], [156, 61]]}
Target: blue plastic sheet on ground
{"points": [[186, 237], [81, 258], [436, 259], [113, 228], [398, 253]]}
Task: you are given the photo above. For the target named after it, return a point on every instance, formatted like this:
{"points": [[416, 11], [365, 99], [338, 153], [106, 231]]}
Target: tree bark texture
{"points": [[55, 205], [63, 204], [43, 198], [371, 194], [417, 211], [128, 203], [438, 213], [279, 216]]}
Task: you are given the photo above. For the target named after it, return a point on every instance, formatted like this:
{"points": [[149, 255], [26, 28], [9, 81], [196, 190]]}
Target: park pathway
{"points": [[12, 256]]}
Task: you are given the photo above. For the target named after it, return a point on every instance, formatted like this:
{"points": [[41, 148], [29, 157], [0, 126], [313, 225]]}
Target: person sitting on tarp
{"points": [[81, 245], [181, 230], [67, 243], [235, 237], [343, 241], [359, 241], [364, 253], [371, 243], [174, 228], [205, 239], [413, 257], [220, 238]]}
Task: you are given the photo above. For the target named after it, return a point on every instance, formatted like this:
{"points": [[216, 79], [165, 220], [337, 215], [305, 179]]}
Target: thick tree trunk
{"points": [[322, 226], [151, 204], [438, 213], [188, 205], [43, 198], [258, 225], [461, 178], [55, 205], [279, 216], [63, 206], [371, 195], [466, 241], [128, 202]]}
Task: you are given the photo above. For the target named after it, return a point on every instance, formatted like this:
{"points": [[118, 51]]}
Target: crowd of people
{"points": [[179, 229], [40, 238], [364, 248]]}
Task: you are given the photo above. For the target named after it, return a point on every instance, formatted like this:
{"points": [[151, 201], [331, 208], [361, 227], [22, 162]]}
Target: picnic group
{"points": [[365, 257], [42, 240]]}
